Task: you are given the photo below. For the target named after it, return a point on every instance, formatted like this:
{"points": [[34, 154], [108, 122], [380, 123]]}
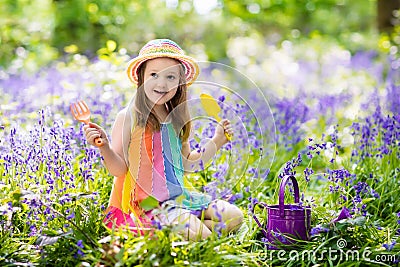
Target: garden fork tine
{"points": [[81, 112], [85, 110]]}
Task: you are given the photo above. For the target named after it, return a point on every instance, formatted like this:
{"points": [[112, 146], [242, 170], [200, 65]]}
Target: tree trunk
{"points": [[386, 18]]}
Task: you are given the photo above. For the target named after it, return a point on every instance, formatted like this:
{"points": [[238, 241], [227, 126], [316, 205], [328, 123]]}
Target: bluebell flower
{"points": [[71, 216], [318, 229], [344, 214], [389, 247], [235, 197], [219, 227], [80, 253], [32, 230], [157, 224], [196, 212], [307, 173], [393, 97], [79, 243], [279, 237]]}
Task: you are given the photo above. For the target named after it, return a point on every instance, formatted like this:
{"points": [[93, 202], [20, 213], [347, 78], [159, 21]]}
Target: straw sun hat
{"points": [[163, 48]]}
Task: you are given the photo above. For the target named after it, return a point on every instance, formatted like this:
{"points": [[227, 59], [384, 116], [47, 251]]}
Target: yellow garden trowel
{"points": [[212, 109]]}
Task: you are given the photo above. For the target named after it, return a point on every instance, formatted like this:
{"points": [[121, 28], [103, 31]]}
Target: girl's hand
{"points": [[224, 126], [93, 131]]}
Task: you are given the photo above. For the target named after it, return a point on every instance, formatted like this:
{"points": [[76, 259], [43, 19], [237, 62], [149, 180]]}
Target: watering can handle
{"points": [[256, 219], [282, 193]]}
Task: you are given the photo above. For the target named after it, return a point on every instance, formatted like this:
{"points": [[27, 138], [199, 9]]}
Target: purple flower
{"points": [[71, 216], [280, 237], [157, 224], [290, 166], [289, 115], [389, 247], [219, 227], [318, 229], [211, 189], [80, 253], [235, 197], [32, 230], [344, 214], [80, 243], [253, 200], [295, 207], [307, 173], [196, 212], [393, 98]]}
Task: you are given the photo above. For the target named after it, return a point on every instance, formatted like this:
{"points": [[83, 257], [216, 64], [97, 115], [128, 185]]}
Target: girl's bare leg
{"points": [[194, 229], [221, 211]]}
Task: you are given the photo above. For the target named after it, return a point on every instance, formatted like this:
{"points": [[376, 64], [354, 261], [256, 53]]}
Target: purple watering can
{"points": [[286, 222]]}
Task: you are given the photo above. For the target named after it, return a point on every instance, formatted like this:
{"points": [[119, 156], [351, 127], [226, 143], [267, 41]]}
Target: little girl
{"points": [[150, 152]]}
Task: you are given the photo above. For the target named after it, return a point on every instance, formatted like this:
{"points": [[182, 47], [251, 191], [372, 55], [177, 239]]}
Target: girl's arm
{"points": [[113, 153], [193, 160]]}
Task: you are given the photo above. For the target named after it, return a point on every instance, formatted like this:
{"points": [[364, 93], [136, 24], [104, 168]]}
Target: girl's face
{"points": [[161, 79]]}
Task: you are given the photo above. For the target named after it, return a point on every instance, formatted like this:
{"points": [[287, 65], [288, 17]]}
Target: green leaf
{"points": [[50, 240], [16, 194], [366, 200], [120, 255], [149, 203], [357, 221]]}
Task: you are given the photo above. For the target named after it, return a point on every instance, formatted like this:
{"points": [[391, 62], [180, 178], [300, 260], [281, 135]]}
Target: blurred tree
{"points": [[330, 17], [88, 24], [386, 10], [72, 25], [31, 29], [26, 28]]}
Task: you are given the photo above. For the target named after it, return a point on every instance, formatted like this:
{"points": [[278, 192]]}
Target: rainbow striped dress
{"points": [[155, 170]]}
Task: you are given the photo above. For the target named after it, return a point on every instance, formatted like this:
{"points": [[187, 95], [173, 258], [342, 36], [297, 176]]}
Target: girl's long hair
{"points": [[177, 106]]}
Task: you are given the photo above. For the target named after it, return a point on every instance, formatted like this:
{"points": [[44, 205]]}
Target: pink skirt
{"points": [[116, 218]]}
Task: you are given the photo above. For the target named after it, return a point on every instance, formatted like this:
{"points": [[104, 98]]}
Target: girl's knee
{"points": [[231, 215], [234, 218], [193, 229], [196, 233]]}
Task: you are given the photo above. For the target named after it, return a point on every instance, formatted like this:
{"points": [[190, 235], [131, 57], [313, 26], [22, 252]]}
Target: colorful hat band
{"points": [[163, 48]]}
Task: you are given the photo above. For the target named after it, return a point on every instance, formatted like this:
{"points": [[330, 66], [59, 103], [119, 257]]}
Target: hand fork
{"points": [[81, 112]]}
